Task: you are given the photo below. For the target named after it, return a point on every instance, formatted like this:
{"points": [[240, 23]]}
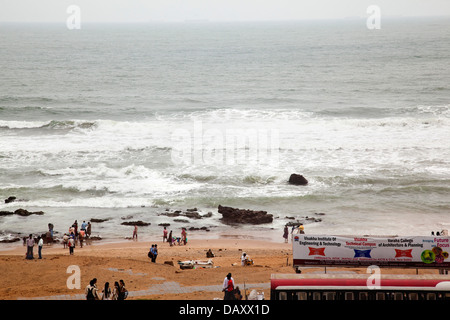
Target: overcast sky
{"points": [[213, 10]]}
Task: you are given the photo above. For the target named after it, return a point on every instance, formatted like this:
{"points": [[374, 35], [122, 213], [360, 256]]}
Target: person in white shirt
{"points": [[228, 287], [40, 245]]}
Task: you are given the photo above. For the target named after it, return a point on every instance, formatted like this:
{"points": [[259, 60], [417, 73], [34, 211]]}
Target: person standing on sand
{"points": [[40, 245], [164, 234], [65, 240], [135, 235], [183, 236], [30, 245], [88, 229], [155, 253], [228, 287], [71, 244], [169, 239], [286, 234]]}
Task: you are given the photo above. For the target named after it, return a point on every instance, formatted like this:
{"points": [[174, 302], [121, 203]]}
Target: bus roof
{"points": [[358, 280]]}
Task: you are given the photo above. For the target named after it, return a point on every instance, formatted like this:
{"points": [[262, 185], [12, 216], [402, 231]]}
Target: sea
{"points": [[136, 122]]}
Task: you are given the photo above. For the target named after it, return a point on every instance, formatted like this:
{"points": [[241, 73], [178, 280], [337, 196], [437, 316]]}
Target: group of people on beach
{"points": [[118, 292], [30, 242], [74, 235], [175, 240], [153, 252]]}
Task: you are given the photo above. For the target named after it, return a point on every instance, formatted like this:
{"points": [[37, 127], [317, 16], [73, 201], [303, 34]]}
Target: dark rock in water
{"points": [[20, 212], [298, 180], [234, 215], [197, 229], [23, 212], [10, 240], [193, 214], [10, 199], [98, 220], [136, 223], [164, 224]]}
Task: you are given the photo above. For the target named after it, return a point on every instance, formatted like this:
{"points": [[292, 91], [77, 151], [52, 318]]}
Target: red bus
{"points": [[356, 287]]}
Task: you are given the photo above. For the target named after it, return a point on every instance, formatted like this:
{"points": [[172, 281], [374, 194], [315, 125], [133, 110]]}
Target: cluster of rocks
{"points": [[304, 220], [234, 215], [192, 213], [189, 213]]}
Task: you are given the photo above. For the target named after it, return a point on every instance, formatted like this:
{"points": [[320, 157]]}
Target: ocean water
{"points": [[124, 122]]}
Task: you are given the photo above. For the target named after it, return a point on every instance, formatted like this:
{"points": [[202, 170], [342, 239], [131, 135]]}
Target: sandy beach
{"points": [[47, 278], [127, 260]]}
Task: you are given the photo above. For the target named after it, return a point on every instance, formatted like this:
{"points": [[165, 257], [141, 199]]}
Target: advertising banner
{"points": [[402, 252]]}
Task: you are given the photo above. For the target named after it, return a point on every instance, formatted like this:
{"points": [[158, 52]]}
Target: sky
{"points": [[213, 10]]}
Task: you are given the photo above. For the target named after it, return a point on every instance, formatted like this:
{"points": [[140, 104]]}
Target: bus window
{"points": [[282, 295], [317, 296], [302, 296], [349, 296], [431, 296], [380, 296], [398, 296], [363, 296], [329, 296], [413, 296]]}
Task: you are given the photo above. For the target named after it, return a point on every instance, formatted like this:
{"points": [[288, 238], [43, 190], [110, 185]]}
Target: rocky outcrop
{"points": [[136, 223], [10, 199], [20, 212], [233, 216], [298, 180]]}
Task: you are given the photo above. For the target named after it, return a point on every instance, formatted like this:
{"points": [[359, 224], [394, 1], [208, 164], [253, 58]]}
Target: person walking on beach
{"points": [[155, 253], [169, 239], [50, 228], [88, 229], [65, 240], [135, 235], [81, 236], [183, 236], [228, 287], [40, 245], [286, 234], [150, 252], [71, 244], [164, 234], [30, 245]]}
